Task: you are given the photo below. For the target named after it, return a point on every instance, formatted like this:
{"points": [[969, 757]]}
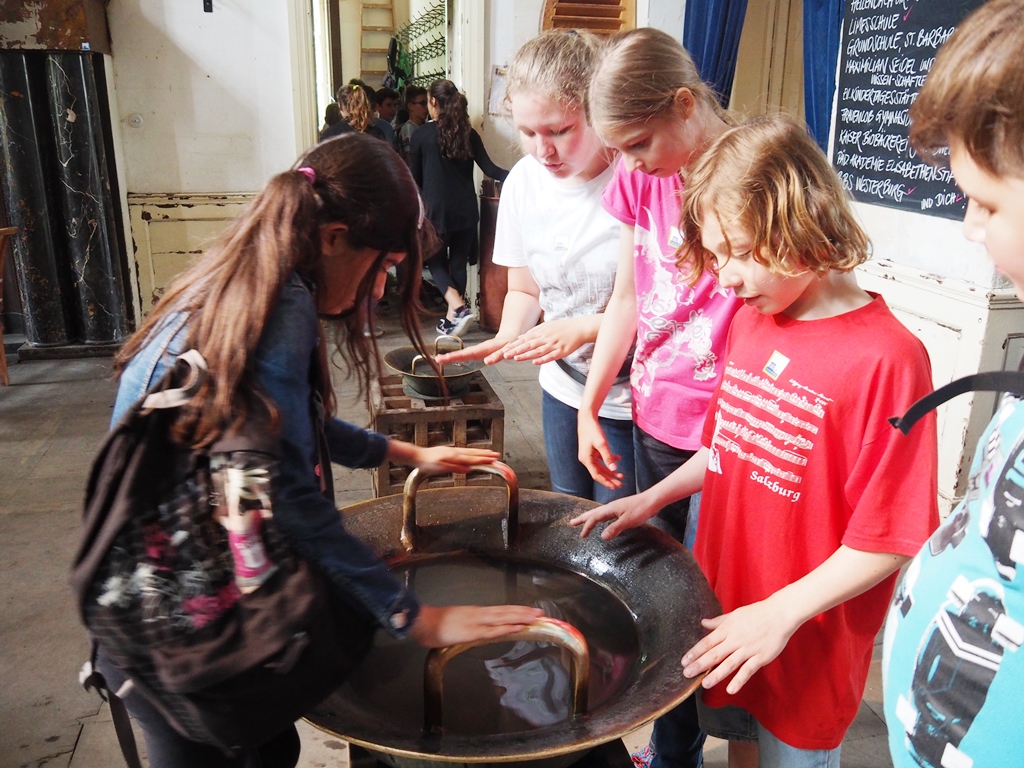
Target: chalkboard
{"points": [[887, 50]]}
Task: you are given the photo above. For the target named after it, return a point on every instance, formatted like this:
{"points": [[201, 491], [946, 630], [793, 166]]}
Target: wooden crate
{"points": [[476, 419]]}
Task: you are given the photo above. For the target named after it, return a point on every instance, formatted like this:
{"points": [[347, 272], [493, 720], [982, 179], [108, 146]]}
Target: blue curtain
{"points": [[823, 21], [711, 33]]}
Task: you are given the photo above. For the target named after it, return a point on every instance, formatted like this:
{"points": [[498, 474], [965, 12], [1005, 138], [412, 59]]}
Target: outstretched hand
{"points": [[437, 627], [740, 643], [551, 340], [443, 459], [490, 351], [626, 513]]}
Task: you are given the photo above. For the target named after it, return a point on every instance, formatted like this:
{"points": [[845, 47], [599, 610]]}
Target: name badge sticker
{"points": [[561, 243], [675, 237], [776, 365]]}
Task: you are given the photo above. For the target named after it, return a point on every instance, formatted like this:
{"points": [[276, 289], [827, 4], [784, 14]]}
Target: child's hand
{"points": [[626, 513], [440, 459], [742, 641], [490, 351], [437, 627], [443, 459], [552, 340], [595, 454]]}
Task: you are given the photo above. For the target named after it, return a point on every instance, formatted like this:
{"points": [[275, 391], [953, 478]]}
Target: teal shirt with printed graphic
{"points": [[953, 670]]}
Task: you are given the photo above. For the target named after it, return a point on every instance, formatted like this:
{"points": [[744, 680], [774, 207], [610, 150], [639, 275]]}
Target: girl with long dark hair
{"points": [[441, 157], [314, 245]]}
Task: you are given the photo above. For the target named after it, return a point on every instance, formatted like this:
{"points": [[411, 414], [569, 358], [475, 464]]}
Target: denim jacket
{"points": [[304, 515]]}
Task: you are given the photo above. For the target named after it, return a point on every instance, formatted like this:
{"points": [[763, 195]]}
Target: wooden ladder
{"points": [[378, 25]]}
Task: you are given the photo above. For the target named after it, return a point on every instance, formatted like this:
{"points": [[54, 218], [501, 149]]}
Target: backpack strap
{"points": [[92, 679], [175, 398], [989, 381]]}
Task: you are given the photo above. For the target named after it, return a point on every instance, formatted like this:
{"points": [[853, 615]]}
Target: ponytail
{"points": [[453, 128], [230, 293], [356, 106]]}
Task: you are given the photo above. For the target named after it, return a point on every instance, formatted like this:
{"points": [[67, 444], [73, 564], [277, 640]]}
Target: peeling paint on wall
{"points": [[53, 25]]}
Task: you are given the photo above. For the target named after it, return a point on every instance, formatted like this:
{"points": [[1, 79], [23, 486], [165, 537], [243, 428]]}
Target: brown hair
{"points": [[974, 93], [231, 292], [356, 105], [453, 128], [769, 177], [414, 91], [637, 75], [556, 64]]}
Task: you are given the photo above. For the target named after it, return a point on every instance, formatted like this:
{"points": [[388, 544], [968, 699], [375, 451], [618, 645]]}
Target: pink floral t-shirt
{"points": [[680, 330]]}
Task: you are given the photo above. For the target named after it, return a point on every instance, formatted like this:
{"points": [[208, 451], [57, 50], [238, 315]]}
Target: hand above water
{"points": [[441, 459], [437, 627]]}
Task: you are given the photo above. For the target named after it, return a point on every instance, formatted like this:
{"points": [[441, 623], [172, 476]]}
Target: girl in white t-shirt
{"points": [[561, 249]]}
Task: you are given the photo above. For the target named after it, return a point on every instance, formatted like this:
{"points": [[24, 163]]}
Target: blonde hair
{"points": [[556, 64], [637, 76], [974, 93], [770, 178], [356, 106]]}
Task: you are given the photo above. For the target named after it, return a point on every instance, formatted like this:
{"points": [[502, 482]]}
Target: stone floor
{"points": [[52, 418]]}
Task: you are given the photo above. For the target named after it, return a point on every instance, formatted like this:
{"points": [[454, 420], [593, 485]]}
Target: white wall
{"points": [[508, 25], [213, 91], [927, 243]]}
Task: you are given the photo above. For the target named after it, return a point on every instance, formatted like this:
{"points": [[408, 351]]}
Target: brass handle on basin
{"points": [[510, 524], [422, 359], [543, 630], [457, 339]]}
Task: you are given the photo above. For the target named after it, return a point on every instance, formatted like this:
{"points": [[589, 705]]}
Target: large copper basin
{"points": [[637, 601]]}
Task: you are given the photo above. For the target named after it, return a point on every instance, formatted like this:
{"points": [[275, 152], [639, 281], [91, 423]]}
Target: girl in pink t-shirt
{"points": [[647, 100]]}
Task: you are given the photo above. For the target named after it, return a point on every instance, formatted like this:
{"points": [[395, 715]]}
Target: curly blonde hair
{"points": [[771, 179]]}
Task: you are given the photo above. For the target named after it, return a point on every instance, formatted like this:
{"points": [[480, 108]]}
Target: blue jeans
{"points": [[561, 442], [677, 740], [655, 461], [736, 724]]}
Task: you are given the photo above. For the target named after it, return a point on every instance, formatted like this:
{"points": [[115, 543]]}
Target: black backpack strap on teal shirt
{"points": [[988, 381]]}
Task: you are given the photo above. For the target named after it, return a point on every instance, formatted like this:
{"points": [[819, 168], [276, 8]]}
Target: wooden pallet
{"points": [[475, 419]]}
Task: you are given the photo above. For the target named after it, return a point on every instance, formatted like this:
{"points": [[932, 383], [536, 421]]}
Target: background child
{"points": [[416, 104], [647, 100], [355, 102], [561, 249], [441, 158], [811, 501], [952, 666]]}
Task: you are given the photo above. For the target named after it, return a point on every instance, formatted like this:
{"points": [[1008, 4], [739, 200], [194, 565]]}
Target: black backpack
{"points": [[156, 585]]}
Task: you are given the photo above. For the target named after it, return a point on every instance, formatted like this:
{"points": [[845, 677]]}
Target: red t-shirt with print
{"points": [[802, 461]]}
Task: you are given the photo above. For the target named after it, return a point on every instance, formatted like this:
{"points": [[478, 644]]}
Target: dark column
{"points": [[84, 190], [37, 253]]}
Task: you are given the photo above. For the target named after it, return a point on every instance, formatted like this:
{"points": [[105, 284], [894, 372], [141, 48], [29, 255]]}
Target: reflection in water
{"points": [[506, 687], [535, 676]]}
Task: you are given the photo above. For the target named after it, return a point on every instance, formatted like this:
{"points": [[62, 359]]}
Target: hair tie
{"points": [[309, 173]]}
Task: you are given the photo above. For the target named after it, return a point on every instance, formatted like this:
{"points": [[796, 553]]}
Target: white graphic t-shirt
{"points": [[560, 232]]}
